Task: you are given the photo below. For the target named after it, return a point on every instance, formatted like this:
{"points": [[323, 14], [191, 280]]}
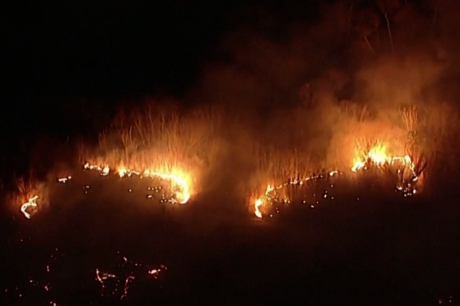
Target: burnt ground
{"points": [[378, 250]]}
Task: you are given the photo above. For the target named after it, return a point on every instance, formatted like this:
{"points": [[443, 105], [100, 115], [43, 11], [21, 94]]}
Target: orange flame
{"points": [[182, 195]]}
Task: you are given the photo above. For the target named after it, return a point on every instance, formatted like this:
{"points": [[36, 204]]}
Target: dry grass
{"points": [[354, 111], [160, 139], [409, 116], [432, 139], [166, 140]]}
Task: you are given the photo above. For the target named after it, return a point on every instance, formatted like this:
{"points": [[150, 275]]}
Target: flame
{"points": [[258, 204], [358, 165], [105, 171], [271, 191], [260, 201], [179, 185], [31, 204], [334, 172], [377, 156], [182, 195]]}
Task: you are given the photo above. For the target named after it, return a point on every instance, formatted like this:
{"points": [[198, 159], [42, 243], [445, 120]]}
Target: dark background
{"points": [[69, 66]]}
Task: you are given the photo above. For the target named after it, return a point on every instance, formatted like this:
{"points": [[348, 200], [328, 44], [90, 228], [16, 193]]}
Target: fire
{"points": [[31, 206], [358, 165], [258, 204], [105, 171], [376, 156], [182, 195], [271, 191], [178, 180]]}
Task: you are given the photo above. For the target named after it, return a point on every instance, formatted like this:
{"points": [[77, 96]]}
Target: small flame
{"points": [[105, 171], [258, 204], [31, 204], [332, 173], [358, 165], [122, 172], [64, 179]]}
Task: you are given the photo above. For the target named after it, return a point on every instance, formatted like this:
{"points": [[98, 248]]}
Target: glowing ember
{"points": [[128, 280], [64, 179], [30, 208], [102, 277], [155, 272]]}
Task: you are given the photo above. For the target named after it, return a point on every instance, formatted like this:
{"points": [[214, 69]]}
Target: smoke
{"points": [[311, 90]]}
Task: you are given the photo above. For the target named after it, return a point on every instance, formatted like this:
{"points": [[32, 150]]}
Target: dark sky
{"points": [[121, 47], [56, 54]]}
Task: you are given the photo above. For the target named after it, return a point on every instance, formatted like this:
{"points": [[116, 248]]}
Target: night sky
{"points": [[116, 47], [58, 53]]}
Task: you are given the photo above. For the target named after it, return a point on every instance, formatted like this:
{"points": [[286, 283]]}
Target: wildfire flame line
{"points": [[182, 196], [181, 193], [267, 197], [380, 159], [376, 156]]}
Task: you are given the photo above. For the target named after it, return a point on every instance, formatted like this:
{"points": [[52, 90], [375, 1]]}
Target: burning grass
{"points": [[365, 143], [160, 143], [29, 192], [182, 149]]}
